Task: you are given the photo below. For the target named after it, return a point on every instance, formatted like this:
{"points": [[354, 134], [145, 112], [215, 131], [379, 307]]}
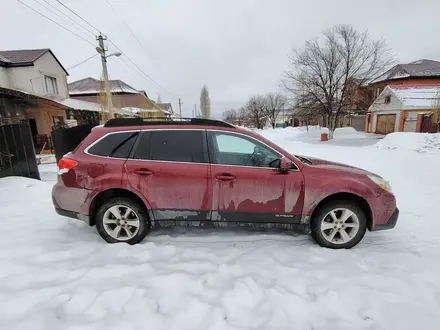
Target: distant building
{"points": [[404, 109], [123, 96], [33, 88]]}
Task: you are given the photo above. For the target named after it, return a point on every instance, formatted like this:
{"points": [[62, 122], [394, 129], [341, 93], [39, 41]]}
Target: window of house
{"points": [[377, 91], [171, 145], [387, 99], [117, 145], [232, 149], [51, 85]]}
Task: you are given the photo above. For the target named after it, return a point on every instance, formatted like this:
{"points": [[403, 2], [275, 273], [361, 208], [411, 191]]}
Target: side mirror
{"points": [[285, 164]]}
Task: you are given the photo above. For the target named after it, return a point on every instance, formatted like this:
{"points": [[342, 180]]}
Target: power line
{"points": [[50, 19], [139, 69], [65, 15], [77, 15], [126, 25], [80, 17], [117, 61], [78, 64]]}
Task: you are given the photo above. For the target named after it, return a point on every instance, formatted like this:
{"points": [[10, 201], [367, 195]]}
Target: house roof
{"points": [[89, 106], [166, 106], [420, 68], [93, 86], [425, 97], [24, 57]]}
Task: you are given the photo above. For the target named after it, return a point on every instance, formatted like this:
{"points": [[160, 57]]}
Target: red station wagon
{"points": [[132, 175]]}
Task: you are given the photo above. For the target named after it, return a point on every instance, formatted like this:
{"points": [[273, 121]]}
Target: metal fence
{"points": [[17, 153], [67, 139]]}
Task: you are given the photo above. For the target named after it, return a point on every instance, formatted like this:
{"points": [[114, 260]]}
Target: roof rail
{"points": [[118, 122]]}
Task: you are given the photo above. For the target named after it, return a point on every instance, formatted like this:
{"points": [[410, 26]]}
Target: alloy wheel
{"points": [[340, 226], [121, 222]]}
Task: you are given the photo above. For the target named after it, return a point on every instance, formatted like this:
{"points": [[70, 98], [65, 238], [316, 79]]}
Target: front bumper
{"points": [[390, 224], [74, 215]]}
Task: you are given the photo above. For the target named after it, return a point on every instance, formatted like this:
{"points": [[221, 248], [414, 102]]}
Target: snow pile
{"points": [[57, 273], [46, 159], [419, 142], [293, 133], [346, 132]]}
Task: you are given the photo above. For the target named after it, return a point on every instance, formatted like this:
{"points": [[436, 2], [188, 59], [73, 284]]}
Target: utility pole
{"points": [[180, 107], [101, 50], [195, 111]]}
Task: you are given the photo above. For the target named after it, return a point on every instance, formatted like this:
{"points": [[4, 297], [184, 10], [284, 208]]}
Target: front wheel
{"points": [[122, 220], [339, 225]]}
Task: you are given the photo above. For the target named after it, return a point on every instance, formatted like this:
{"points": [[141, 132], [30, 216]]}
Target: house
{"points": [[401, 108], [33, 88], [31, 83], [35, 71], [418, 73], [166, 107], [123, 96]]}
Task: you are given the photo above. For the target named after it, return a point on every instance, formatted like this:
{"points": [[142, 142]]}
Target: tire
{"points": [[331, 231], [113, 213]]}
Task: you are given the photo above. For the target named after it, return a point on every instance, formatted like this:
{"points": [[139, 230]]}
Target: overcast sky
{"points": [[236, 47]]}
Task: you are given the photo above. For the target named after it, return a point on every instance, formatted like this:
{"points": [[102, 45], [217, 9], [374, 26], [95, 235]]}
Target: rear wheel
{"points": [[339, 225], [122, 220]]}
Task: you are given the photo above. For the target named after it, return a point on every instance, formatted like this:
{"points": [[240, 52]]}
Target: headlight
{"points": [[380, 182]]}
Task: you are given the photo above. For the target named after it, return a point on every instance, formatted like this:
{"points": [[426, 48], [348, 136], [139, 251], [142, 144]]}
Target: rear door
{"points": [[170, 169], [245, 186]]}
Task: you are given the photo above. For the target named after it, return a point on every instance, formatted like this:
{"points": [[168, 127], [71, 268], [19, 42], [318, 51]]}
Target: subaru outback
{"points": [[131, 175]]}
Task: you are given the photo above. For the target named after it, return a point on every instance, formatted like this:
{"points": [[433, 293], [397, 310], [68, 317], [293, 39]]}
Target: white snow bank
{"points": [[57, 273], [294, 133], [420, 142], [346, 131]]}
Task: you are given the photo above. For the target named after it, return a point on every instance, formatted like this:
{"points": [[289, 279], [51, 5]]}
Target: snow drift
{"points": [[58, 274], [420, 142]]}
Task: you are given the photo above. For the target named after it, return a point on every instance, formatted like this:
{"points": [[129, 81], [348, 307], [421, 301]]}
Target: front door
{"points": [[170, 169], [245, 188]]}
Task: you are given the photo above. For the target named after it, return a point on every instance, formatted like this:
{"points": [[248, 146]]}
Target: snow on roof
{"points": [[135, 110], [418, 97], [88, 106], [93, 86]]}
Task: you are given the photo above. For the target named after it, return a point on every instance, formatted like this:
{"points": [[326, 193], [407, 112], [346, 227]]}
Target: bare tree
{"points": [[230, 116], [326, 72], [255, 111], [435, 117], [205, 102], [275, 104]]}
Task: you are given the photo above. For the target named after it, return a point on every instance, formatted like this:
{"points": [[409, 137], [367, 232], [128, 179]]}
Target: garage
{"points": [[385, 124]]}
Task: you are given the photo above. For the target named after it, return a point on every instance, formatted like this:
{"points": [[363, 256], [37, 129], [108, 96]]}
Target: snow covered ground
{"points": [[57, 273]]}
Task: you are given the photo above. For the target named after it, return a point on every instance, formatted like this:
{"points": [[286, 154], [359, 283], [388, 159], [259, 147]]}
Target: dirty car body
{"points": [[209, 173]]}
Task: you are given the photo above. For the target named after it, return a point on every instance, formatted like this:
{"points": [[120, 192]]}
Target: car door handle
{"points": [[225, 177], [143, 171]]}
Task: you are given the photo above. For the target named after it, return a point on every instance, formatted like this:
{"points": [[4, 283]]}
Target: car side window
{"points": [[171, 145], [233, 149], [116, 145]]}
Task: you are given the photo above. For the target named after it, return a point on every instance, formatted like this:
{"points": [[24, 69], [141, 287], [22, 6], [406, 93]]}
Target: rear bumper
{"points": [[73, 215], [390, 224]]}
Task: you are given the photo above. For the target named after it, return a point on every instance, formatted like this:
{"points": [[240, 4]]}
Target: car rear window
{"points": [[116, 145], [171, 145]]}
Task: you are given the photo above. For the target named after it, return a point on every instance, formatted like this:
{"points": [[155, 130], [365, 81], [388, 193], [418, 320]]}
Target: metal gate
{"points": [[67, 139], [428, 126], [17, 153]]}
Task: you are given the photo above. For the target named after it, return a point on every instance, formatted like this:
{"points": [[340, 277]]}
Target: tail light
{"points": [[66, 164]]}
